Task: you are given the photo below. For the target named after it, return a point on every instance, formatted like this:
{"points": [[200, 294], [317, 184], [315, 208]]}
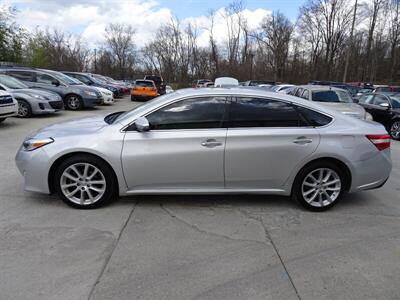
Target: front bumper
{"points": [[43, 107], [91, 102], [33, 166]]}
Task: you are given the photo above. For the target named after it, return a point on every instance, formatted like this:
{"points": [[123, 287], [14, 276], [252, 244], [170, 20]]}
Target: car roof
{"points": [[313, 87]]}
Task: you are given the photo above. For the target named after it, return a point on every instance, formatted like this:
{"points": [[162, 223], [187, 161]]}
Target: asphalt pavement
{"points": [[193, 247]]}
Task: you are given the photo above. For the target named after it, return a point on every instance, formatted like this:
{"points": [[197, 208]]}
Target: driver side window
{"points": [[44, 78], [196, 113], [379, 100]]}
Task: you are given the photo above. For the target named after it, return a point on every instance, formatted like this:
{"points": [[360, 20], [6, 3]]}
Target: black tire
{"points": [[394, 129], [2, 120], [24, 109], [73, 102], [133, 98], [110, 192], [297, 191]]}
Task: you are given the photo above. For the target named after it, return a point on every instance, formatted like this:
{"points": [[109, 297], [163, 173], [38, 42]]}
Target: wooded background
{"points": [[338, 40]]}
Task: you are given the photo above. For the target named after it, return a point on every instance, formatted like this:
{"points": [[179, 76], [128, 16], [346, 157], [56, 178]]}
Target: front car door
{"points": [[184, 149], [266, 140], [381, 109]]}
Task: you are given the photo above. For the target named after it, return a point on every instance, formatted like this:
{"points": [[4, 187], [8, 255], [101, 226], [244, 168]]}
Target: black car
{"points": [[158, 81], [385, 109], [92, 81]]}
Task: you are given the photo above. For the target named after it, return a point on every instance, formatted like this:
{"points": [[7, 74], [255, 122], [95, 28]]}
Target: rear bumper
{"points": [[372, 173], [142, 97]]}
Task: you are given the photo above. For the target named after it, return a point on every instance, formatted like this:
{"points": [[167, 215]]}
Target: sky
{"points": [[88, 18]]}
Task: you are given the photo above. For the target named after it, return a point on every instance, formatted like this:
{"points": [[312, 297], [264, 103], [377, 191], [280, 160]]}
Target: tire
{"points": [[24, 109], [133, 98], [82, 191], [73, 102], [325, 196], [394, 130], [2, 120]]}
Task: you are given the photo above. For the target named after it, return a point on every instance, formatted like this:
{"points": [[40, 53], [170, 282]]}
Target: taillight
{"points": [[381, 141]]}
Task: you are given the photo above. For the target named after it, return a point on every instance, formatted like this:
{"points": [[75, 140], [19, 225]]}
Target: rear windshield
{"points": [[331, 96], [144, 83], [156, 79]]}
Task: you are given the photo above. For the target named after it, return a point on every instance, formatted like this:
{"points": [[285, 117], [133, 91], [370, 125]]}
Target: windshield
{"points": [[12, 83], [395, 101], [66, 79], [331, 96], [141, 108]]}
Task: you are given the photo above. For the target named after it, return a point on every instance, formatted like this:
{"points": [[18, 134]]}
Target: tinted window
{"points": [[144, 83], [257, 112], [82, 78], [331, 96], [21, 75], [379, 99], [44, 78], [383, 89], [207, 112], [366, 99], [314, 118], [395, 101]]}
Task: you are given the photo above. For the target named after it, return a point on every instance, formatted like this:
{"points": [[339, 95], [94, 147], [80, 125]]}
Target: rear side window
{"points": [[314, 118], [306, 95], [144, 83], [44, 78], [259, 112], [196, 113], [298, 92], [22, 75]]}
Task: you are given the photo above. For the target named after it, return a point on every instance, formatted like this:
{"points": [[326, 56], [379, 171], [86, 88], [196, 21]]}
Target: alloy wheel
{"points": [[321, 187], [74, 102], [83, 183], [23, 109], [395, 130]]}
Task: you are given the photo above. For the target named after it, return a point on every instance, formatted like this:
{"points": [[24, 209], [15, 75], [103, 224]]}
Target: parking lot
{"points": [[193, 247]]}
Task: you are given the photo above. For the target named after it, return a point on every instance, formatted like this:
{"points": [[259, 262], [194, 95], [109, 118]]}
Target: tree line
{"points": [[330, 40]]}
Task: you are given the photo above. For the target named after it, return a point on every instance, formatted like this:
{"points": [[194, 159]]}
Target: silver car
{"points": [[30, 101], [209, 141], [331, 97]]}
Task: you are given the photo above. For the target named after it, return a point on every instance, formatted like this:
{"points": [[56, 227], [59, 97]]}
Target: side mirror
{"points": [[55, 82], [142, 124], [384, 104]]}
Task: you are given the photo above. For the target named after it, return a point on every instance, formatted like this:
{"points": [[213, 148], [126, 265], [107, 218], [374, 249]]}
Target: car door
{"points": [[266, 140], [184, 149], [47, 82], [381, 109]]}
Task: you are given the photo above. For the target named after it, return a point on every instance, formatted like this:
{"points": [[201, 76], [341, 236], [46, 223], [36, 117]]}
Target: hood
{"points": [[47, 94], [78, 127], [351, 109]]}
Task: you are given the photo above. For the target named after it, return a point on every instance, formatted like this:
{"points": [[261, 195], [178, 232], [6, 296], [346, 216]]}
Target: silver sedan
{"points": [[209, 141]]}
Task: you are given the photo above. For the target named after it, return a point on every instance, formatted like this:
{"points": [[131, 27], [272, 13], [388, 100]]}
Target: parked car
{"points": [[120, 90], [92, 81], [30, 101], [198, 83], [280, 88], [75, 95], [226, 82], [107, 95], [158, 81], [257, 82], [125, 88], [182, 143], [143, 90], [387, 89], [8, 106], [333, 98], [385, 109]]}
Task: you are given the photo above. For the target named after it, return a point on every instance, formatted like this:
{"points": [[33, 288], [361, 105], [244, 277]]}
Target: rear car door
{"points": [[381, 109], [184, 148], [266, 140]]}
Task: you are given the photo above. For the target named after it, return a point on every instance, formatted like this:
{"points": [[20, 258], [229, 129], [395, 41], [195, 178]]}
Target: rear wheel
{"points": [[395, 130], [133, 98], [319, 186], [85, 182], [24, 109], [73, 102], [2, 120]]}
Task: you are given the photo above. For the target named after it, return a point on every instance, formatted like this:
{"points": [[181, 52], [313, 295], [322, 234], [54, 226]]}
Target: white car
{"points": [[108, 97], [169, 89], [8, 106], [226, 82]]}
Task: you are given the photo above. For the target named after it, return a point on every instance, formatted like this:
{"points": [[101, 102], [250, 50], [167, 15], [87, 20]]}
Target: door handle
{"points": [[302, 140], [211, 143]]}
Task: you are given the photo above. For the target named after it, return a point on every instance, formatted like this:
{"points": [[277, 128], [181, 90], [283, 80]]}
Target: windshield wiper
{"points": [[109, 119]]}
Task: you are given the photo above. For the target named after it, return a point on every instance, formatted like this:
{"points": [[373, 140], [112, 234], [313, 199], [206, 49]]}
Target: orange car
{"points": [[143, 90]]}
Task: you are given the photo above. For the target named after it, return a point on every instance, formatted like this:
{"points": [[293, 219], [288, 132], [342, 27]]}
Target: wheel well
{"points": [[59, 160], [343, 167], [72, 94]]}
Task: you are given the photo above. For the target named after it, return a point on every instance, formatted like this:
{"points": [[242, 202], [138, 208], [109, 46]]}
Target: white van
{"points": [[8, 106]]}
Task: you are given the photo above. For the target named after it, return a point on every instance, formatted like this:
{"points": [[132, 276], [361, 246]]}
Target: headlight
{"points": [[368, 117], [93, 94], [33, 144], [39, 97]]}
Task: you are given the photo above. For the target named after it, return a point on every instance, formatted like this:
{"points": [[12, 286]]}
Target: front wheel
{"points": [[24, 109], [85, 182], [395, 130], [319, 186], [73, 102], [2, 120]]}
